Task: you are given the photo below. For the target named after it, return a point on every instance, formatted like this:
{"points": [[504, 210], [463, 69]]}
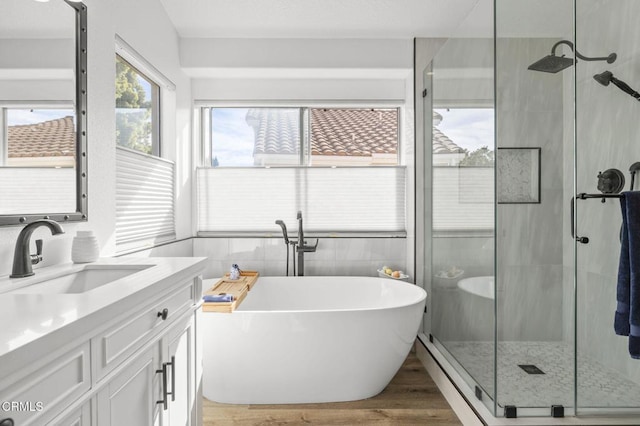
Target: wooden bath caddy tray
{"points": [[238, 288]]}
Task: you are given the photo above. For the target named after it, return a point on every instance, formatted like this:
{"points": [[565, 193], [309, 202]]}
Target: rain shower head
{"points": [[607, 77], [553, 64]]}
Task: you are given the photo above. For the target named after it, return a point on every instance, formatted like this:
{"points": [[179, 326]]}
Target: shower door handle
{"points": [[583, 240]]}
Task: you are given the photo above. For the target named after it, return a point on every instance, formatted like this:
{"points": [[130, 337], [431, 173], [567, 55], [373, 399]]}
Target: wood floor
{"points": [[410, 399]]}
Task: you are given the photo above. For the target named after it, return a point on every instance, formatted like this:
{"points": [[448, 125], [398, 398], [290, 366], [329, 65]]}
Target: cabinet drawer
{"points": [[36, 398], [114, 345]]}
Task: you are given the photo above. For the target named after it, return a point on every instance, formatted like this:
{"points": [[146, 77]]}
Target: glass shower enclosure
{"points": [[534, 136]]}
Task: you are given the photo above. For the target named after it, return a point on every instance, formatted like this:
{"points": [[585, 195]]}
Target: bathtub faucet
{"points": [[302, 247]]}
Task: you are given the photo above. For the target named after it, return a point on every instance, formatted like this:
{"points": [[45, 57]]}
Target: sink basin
{"points": [[87, 279]]}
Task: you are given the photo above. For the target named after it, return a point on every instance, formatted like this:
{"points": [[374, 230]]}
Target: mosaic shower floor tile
{"points": [[598, 386]]}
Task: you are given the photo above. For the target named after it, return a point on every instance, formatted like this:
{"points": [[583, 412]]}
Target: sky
{"points": [[17, 116], [469, 128], [232, 137]]}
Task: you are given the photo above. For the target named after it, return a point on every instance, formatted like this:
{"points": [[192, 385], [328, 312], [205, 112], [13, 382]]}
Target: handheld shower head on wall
{"points": [[607, 77], [553, 64]]}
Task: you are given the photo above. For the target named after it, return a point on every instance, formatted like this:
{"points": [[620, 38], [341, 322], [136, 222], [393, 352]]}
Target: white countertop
{"points": [[37, 321]]}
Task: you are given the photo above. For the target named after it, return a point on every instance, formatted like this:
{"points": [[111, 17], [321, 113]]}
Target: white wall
{"points": [[145, 26], [310, 55]]}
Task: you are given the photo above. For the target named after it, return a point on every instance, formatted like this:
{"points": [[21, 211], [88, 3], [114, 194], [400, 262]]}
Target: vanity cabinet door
{"points": [[34, 399], [80, 417], [178, 347], [131, 397]]}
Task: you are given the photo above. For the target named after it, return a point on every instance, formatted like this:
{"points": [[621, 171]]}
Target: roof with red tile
{"points": [[340, 132], [276, 130], [443, 145], [53, 138], [441, 142], [336, 132], [354, 132]]}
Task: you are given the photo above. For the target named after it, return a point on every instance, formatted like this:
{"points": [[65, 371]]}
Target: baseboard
{"points": [[457, 402]]}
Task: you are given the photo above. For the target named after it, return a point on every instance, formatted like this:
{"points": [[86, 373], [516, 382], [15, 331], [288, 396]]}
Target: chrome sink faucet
{"points": [[22, 259]]}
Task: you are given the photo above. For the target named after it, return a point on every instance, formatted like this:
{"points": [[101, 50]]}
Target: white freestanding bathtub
{"points": [[310, 339], [479, 286]]}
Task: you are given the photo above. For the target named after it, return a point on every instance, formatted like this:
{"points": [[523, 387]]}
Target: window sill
{"points": [[310, 234], [464, 233]]}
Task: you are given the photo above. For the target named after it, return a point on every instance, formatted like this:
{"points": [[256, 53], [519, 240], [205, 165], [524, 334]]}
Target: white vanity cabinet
{"points": [[32, 396], [157, 387], [130, 398], [154, 385], [178, 349], [131, 361], [79, 417]]}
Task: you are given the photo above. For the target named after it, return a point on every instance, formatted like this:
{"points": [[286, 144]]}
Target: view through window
{"points": [[38, 137], [303, 136], [463, 169], [467, 132], [137, 110]]}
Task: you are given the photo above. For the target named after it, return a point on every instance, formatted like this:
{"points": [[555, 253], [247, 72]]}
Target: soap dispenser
{"points": [[84, 248], [234, 273]]}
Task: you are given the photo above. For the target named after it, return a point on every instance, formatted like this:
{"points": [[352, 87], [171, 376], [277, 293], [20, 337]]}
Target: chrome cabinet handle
{"points": [[164, 399]]}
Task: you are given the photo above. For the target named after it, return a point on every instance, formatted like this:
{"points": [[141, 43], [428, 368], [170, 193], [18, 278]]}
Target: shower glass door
{"points": [[607, 138], [534, 183], [460, 110], [521, 267]]}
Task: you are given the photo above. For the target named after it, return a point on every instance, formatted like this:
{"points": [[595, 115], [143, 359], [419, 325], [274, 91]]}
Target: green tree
{"points": [[133, 113], [480, 157]]}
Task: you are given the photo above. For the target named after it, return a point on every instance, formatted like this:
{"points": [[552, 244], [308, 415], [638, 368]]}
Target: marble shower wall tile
{"points": [[607, 137], [474, 255], [596, 337], [531, 307], [334, 256]]}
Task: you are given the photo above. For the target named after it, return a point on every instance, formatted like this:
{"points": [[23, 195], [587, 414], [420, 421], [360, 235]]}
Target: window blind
{"points": [[344, 199], [144, 200], [463, 198], [55, 189]]}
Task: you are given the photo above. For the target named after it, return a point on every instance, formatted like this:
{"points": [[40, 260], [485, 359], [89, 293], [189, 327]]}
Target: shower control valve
{"points": [[583, 240]]}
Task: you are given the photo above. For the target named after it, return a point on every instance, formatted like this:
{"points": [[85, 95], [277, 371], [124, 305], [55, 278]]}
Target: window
{"points": [[301, 136], [463, 169], [145, 188], [38, 137], [137, 110], [37, 156], [301, 158]]}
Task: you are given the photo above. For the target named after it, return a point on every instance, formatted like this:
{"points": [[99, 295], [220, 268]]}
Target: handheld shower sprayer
{"points": [[284, 231], [285, 235], [607, 77]]}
